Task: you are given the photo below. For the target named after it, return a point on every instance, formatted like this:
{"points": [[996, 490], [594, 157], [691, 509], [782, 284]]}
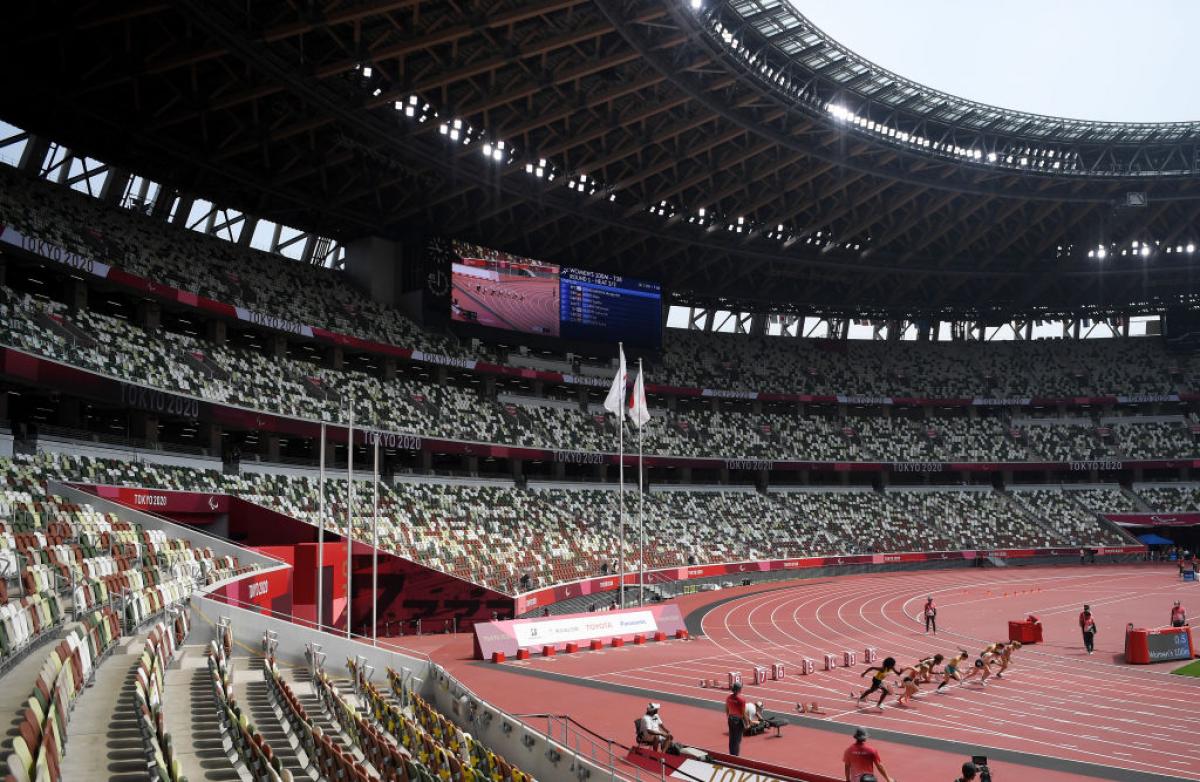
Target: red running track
{"points": [[1055, 701]]}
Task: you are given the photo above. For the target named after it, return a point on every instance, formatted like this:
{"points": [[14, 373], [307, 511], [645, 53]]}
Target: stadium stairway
{"points": [[254, 695], [14, 699], [192, 720], [306, 693], [104, 741]]}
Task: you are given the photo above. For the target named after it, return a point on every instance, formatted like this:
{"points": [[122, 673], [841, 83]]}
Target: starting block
{"points": [[849, 658], [810, 708], [870, 654], [734, 678], [760, 674], [807, 666], [830, 662], [777, 672]]}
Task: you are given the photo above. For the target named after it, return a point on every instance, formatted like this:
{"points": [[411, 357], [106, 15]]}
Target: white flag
{"points": [[615, 401], [639, 411]]}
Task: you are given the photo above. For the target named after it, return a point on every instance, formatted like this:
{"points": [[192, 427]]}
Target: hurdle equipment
{"points": [[849, 658], [734, 678], [777, 672], [830, 662], [760, 674], [807, 666], [870, 654]]}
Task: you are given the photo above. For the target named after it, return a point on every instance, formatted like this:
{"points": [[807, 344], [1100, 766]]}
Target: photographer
{"points": [[975, 769]]}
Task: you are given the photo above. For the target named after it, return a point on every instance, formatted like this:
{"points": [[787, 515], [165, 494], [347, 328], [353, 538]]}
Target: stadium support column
{"points": [[335, 358], [149, 315], [279, 345], [76, 293], [143, 426], [273, 452], [216, 332], [389, 368]]}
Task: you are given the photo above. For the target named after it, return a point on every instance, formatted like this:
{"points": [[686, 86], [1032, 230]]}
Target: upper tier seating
{"points": [[302, 293], [295, 387]]}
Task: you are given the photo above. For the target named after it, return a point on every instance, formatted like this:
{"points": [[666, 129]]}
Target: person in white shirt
{"points": [[652, 731]]}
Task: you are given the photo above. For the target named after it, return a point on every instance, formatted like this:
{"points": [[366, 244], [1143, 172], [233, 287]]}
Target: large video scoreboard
{"points": [[502, 291]]}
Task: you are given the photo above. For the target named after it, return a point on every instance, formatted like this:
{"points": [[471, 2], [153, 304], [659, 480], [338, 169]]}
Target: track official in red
{"points": [[735, 715]]}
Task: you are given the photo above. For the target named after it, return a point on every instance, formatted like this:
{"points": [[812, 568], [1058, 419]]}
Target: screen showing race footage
{"points": [[502, 291]]}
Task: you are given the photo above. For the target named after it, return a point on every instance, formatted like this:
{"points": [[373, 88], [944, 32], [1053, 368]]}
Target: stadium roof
{"points": [[729, 149]]}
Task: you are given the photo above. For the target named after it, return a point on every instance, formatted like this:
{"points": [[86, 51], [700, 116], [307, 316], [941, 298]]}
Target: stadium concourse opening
{"points": [[584, 389]]}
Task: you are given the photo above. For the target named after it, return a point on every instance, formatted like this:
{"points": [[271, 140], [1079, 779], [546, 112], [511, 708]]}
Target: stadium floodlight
{"points": [[367, 71], [1101, 253], [1145, 250], [701, 213], [1191, 248], [695, 5], [375, 93]]}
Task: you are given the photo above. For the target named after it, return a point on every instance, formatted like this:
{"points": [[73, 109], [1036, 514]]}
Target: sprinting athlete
{"points": [[922, 671], [877, 681], [1006, 657], [908, 687], [950, 672]]}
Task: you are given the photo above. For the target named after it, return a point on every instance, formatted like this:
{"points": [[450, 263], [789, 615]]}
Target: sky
{"points": [[1111, 60]]}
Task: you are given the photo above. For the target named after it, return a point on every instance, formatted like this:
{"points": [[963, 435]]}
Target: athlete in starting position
{"points": [[1006, 657], [877, 681], [950, 672]]}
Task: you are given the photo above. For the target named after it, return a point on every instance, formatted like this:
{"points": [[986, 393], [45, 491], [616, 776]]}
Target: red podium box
{"points": [[1025, 632]]}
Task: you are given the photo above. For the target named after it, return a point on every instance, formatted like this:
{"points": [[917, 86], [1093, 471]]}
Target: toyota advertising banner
{"points": [[508, 636]]}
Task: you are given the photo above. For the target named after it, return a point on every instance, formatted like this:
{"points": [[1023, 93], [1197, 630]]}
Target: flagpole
{"points": [[349, 516], [641, 507], [375, 550], [621, 479], [321, 535]]}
